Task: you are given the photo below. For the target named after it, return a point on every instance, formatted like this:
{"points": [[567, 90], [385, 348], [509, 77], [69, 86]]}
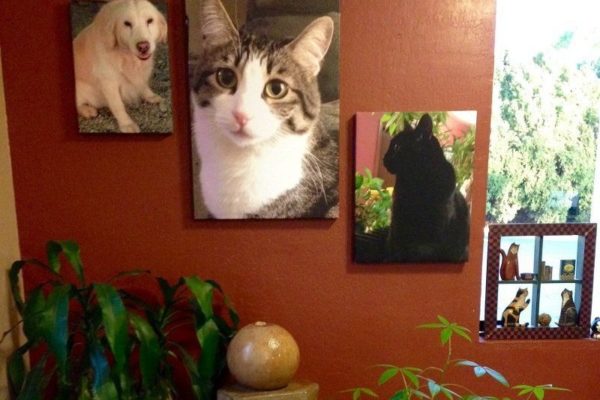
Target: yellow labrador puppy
{"points": [[114, 59]]}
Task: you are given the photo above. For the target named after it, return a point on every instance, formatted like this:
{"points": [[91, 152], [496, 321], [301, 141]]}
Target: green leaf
{"points": [[73, 254], [412, 377], [358, 392], [53, 324], [16, 370], [479, 371], [385, 117], [208, 337], [115, 321], [15, 286], [445, 335], [497, 376], [433, 387], [192, 369], [401, 395], [99, 365], [34, 382], [462, 332], [538, 393], [203, 294], [387, 375], [432, 326], [466, 363], [233, 315], [53, 250], [130, 273], [443, 320], [108, 391], [358, 180], [32, 311], [150, 350]]}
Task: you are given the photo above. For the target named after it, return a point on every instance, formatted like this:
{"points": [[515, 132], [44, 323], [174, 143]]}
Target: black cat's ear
{"points": [[216, 28], [312, 44], [425, 126]]}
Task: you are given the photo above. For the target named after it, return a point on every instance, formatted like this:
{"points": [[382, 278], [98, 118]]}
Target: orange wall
{"points": [[128, 200]]}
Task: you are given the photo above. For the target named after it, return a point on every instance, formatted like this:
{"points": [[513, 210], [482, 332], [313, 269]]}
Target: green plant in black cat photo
{"points": [[372, 201], [431, 382], [97, 341]]}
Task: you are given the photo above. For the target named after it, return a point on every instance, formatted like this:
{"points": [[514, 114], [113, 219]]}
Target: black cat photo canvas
{"points": [[413, 174], [264, 102], [121, 66]]}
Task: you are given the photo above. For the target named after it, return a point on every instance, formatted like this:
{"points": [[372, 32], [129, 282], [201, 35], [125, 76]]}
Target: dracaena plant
{"points": [[431, 383], [96, 341]]}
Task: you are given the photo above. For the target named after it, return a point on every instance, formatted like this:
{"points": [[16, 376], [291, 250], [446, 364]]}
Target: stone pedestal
{"points": [[293, 391]]}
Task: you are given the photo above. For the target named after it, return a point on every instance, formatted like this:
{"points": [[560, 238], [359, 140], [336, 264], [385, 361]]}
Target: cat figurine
{"points": [[263, 148], [595, 328], [509, 263], [430, 217], [511, 314], [568, 311]]}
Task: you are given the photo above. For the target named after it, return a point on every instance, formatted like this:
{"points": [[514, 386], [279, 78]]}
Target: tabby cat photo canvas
{"points": [[264, 104], [413, 175], [121, 65]]}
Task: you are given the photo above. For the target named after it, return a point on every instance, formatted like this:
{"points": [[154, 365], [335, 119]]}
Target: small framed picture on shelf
{"points": [[567, 270]]}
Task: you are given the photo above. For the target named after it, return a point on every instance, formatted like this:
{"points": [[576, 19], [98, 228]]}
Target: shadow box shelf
{"points": [[559, 257]]}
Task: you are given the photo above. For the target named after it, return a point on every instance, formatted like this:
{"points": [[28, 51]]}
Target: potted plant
{"points": [[432, 382], [98, 341]]}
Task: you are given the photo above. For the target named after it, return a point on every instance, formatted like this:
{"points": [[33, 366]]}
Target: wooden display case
{"points": [[554, 245]]}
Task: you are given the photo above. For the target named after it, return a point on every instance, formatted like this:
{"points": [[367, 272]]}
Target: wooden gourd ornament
{"points": [[263, 356]]}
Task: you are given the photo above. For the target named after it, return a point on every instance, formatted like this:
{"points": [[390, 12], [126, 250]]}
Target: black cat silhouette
{"points": [[430, 217]]}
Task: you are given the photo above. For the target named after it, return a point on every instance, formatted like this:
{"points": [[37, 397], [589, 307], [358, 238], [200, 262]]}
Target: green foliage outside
{"points": [[95, 341], [432, 382], [545, 122]]}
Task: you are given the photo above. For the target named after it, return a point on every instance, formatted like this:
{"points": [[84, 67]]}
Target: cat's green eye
{"points": [[226, 78], [276, 89]]}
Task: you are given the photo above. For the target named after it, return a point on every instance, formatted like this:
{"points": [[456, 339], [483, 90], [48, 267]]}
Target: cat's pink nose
{"points": [[241, 118]]}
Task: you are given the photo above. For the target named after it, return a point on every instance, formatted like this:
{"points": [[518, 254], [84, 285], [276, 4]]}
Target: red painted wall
{"points": [[128, 200]]}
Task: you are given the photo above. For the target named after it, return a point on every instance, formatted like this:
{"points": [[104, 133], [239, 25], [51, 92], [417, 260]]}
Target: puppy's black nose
{"points": [[143, 47]]}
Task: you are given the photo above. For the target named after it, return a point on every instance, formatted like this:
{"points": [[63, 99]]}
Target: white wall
{"points": [[9, 242]]}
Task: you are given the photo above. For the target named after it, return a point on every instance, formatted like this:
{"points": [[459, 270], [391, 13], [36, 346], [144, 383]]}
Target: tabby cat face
{"points": [[252, 89]]}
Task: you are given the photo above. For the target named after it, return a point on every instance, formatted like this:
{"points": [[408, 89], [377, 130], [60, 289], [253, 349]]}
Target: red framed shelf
{"points": [[584, 237]]}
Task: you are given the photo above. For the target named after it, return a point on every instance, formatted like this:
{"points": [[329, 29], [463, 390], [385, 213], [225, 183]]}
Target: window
{"points": [[545, 116]]}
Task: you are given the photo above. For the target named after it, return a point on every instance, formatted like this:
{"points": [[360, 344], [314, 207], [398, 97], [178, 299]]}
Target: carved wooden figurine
{"points": [[510, 316], [568, 312], [509, 264]]}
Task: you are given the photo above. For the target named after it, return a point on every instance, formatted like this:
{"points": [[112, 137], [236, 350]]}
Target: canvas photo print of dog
{"points": [[121, 64], [265, 108], [412, 188]]}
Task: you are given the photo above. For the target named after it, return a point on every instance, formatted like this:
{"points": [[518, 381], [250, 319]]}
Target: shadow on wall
{"points": [[9, 245]]}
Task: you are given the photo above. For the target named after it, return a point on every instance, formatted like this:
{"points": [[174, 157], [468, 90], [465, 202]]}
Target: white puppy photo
{"points": [[122, 80]]}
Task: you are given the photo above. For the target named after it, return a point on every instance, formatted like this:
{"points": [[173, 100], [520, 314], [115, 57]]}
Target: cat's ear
{"points": [[312, 44], [216, 27], [425, 126]]}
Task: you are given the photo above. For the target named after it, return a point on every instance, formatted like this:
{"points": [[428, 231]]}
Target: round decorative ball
{"points": [[544, 319], [263, 356]]}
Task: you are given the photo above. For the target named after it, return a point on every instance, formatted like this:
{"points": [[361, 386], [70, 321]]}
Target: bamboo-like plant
{"points": [[95, 341]]}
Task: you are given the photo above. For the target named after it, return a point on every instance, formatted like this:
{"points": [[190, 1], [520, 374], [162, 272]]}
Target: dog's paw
{"points": [[153, 98], [130, 127], [87, 111]]}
